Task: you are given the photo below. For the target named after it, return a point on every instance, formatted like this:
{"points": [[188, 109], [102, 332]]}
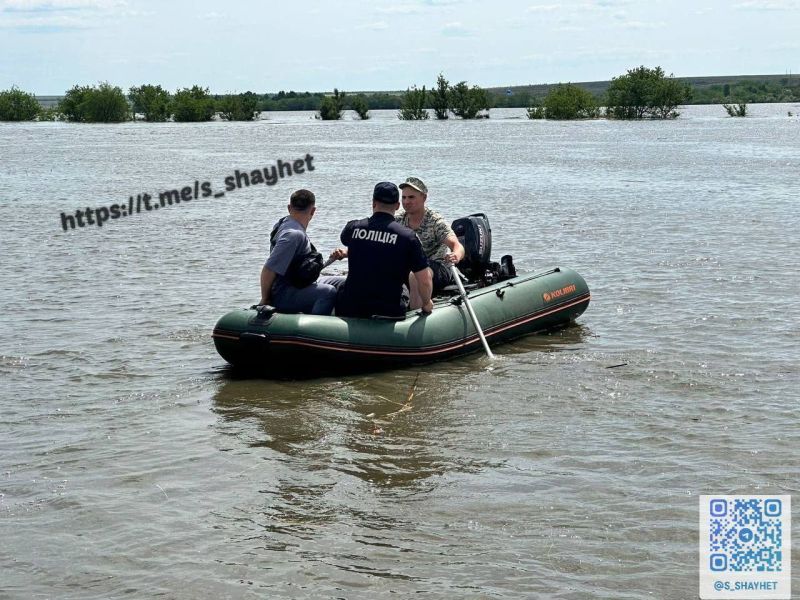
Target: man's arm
{"points": [[457, 251], [280, 258], [425, 288], [267, 279]]}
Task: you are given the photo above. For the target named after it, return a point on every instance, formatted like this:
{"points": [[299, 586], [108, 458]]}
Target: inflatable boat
{"points": [[263, 340]]}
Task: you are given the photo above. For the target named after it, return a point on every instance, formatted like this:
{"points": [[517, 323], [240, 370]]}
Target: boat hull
{"points": [[298, 344]]}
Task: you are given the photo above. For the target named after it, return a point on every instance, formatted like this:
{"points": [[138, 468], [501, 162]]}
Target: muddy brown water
{"points": [[133, 465]]}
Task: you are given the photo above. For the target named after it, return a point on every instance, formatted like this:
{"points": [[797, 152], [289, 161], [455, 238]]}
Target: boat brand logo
{"points": [[552, 295]]}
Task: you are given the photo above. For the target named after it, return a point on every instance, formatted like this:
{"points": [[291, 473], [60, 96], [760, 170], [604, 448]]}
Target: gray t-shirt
{"points": [[291, 240]]}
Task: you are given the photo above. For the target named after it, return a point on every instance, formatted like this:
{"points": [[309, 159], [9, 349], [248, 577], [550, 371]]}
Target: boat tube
{"points": [[262, 340]]}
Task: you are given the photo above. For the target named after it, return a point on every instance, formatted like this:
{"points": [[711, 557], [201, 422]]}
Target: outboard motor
{"points": [[475, 234]]}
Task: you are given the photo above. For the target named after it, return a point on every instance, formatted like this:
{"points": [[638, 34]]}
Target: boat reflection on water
{"points": [[334, 451]]}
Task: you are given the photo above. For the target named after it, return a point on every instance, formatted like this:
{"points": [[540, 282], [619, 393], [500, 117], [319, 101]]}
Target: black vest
{"points": [[304, 268]]}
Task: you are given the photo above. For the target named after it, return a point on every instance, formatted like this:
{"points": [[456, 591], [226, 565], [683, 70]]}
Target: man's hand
{"points": [[450, 259], [338, 254], [427, 307]]}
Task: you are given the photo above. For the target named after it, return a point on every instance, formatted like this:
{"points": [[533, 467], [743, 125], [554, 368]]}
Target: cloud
{"points": [[53, 16], [399, 9], [58, 5], [767, 5], [377, 26], [612, 3], [782, 47], [45, 24], [540, 8], [415, 8], [456, 29], [643, 25]]}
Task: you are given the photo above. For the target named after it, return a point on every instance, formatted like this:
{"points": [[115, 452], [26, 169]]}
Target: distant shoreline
{"points": [[542, 89]]}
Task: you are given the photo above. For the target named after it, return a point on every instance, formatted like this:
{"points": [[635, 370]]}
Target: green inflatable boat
{"points": [[297, 344]]}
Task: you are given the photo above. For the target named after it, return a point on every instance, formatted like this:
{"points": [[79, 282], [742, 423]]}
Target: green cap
{"points": [[416, 183]]}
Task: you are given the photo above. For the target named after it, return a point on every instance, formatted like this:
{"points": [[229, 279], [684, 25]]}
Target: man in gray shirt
{"points": [[284, 279]]}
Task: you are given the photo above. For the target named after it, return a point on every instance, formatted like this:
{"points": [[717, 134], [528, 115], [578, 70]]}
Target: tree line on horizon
{"points": [[105, 103], [640, 93]]}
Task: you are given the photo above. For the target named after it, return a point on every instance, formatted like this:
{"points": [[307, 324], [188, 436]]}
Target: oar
{"points": [[457, 277], [328, 263]]}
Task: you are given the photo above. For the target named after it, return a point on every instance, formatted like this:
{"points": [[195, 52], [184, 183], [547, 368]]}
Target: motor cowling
{"points": [[475, 234]]}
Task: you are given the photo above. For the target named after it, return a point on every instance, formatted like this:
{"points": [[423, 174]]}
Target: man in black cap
{"points": [[381, 254]]}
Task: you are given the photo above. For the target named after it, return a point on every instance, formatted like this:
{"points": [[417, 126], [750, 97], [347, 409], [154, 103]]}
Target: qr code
{"points": [[746, 534]]}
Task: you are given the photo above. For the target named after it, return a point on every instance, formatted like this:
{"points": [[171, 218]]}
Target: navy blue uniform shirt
{"points": [[380, 253]]}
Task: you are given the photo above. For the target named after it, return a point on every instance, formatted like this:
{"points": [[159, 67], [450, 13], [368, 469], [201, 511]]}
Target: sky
{"points": [[47, 46]]}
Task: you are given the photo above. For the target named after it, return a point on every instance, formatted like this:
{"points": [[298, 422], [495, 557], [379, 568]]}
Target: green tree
{"points": [[153, 101], [536, 112], [738, 110], [238, 107], [441, 98], [567, 101], [359, 104], [668, 94], [468, 102], [16, 105], [73, 102], [193, 105], [102, 104], [629, 95], [332, 106], [412, 107], [644, 92]]}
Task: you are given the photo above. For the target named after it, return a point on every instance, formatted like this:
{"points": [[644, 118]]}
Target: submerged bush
{"points": [[645, 93], [16, 105], [567, 101], [238, 107], [536, 112], [738, 110], [153, 101], [332, 106], [88, 104], [468, 102], [359, 104], [413, 105], [192, 105]]}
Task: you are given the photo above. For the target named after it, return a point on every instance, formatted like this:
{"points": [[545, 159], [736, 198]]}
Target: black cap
{"points": [[386, 192]]}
